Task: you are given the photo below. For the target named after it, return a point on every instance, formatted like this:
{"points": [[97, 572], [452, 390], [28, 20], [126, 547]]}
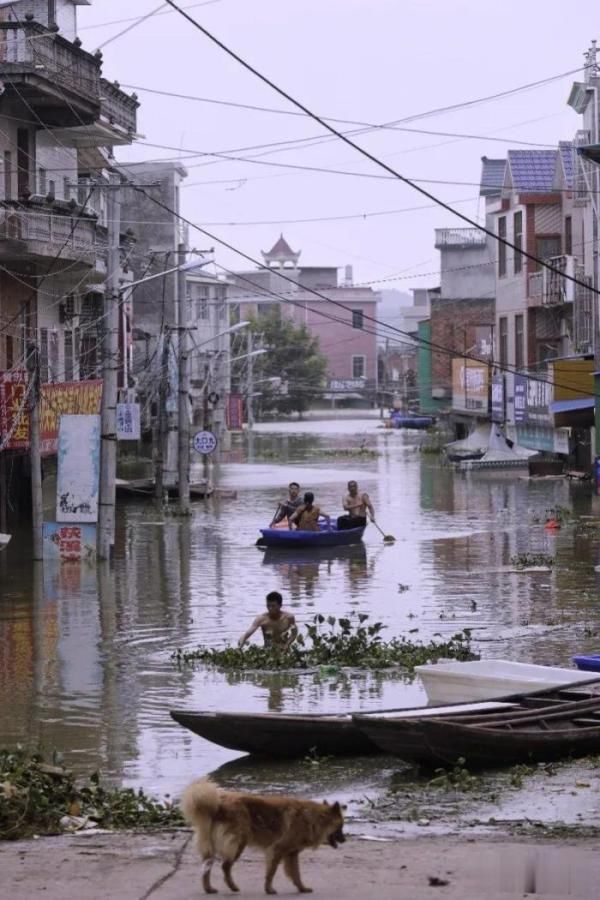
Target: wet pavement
{"points": [[85, 656]]}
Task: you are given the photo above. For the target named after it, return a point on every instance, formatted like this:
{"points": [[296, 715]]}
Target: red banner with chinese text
{"points": [[234, 411], [68, 398]]}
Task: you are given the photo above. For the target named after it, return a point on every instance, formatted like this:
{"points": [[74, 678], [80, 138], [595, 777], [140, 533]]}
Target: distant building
{"points": [[346, 336]]}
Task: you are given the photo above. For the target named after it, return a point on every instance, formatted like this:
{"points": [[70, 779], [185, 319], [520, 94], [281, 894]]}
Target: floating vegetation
{"points": [[344, 642], [531, 560], [435, 440], [350, 453], [40, 799], [458, 778]]}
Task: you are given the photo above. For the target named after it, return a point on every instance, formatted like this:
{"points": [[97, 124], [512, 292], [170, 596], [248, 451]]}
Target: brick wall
{"points": [[454, 327]]}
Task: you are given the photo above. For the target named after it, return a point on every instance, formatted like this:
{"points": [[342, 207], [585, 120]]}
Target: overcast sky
{"points": [[366, 60]]}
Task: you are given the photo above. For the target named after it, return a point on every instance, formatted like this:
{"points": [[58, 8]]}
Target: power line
{"points": [[370, 156]]}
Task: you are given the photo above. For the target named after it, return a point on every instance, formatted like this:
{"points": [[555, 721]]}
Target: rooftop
{"points": [[492, 176], [532, 171]]}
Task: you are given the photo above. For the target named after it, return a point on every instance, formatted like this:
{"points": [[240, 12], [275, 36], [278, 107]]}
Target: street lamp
{"points": [[108, 431], [233, 328]]}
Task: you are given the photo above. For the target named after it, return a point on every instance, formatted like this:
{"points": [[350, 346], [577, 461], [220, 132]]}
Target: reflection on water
{"points": [[84, 654]]}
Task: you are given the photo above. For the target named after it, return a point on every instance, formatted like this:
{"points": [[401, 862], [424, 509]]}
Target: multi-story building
{"points": [[59, 120], [346, 339]]}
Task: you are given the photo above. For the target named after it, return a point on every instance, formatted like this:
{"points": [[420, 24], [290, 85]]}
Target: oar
{"points": [[387, 538], [260, 542]]}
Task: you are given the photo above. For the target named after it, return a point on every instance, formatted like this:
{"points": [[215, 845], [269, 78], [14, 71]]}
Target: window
{"points": [[53, 373], [546, 248], [69, 373], [43, 354], [501, 247], [42, 181], [503, 341], [10, 351], [568, 235], [52, 188], [358, 366], [222, 302], [357, 318], [7, 175], [518, 240], [23, 157], [202, 302], [519, 342], [66, 189]]}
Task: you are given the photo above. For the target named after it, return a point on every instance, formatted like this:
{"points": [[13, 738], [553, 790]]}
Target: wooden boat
{"points": [[562, 727], [288, 736], [484, 679], [138, 487], [325, 537], [4, 541]]}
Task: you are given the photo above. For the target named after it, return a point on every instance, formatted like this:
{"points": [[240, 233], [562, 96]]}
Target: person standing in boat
{"points": [[357, 505], [288, 507], [278, 626], [306, 517]]}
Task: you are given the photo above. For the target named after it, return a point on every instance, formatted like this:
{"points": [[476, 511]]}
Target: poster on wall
{"points": [[69, 543], [498, 398], [78, 477]]}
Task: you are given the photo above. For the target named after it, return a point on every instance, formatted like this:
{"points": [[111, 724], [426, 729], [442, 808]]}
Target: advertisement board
{"points": [[78, 476], [470, 386]]}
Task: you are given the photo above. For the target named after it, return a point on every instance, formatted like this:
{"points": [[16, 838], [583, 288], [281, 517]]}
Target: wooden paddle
{"points": [[387, 538]]}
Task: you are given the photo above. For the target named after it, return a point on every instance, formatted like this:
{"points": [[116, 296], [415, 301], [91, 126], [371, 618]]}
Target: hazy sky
{"points": [[365, 60]]}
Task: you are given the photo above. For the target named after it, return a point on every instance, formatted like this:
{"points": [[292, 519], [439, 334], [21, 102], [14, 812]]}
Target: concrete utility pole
{"points": [[183, 447], [110, 367], [160, 431], [35, 456], [250, 400]]}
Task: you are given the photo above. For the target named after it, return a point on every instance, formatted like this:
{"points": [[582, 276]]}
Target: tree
{"points": [[290, 375]]}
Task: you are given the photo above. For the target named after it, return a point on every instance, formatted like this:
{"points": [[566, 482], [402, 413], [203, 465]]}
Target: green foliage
{"points": [[350, 452], [343, 642], [529, 560], [34, 797], [293, 358], [458, 778]]}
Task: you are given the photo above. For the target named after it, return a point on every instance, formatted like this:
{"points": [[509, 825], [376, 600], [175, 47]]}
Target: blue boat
{"points": [[588, 663], [408, 420], [326, 537]]}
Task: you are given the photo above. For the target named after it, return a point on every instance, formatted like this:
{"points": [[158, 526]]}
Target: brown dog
{"points": [[225, 822]]}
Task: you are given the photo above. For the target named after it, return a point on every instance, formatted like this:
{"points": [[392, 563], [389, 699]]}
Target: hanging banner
{"points": [[498, 398], [128, 422], [78, 477], [234, 412], [69, 543], [64, 398]]}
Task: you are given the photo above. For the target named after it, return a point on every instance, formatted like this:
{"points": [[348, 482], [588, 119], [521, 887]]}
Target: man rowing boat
{"points": [[357, 506], [287, 508]]}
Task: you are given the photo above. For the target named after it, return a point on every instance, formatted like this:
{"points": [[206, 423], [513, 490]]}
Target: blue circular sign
{"points": [[204, 442]]}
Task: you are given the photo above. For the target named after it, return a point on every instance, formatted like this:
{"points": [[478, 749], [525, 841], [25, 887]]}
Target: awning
{"points": [[561, 406]]}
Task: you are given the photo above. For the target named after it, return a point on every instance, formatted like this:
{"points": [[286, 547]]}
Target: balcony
{"points": [[118, 108], [583, 313], [30, 236], [553, 288], [459, 237], [59, 80]]}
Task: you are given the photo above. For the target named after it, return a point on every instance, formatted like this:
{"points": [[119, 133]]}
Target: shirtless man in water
{"points": [[357, 505], [278, 625]]}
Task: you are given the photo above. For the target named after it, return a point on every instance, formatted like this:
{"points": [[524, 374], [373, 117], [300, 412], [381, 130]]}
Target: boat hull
{"points": [[280, 538], [278, 735]]}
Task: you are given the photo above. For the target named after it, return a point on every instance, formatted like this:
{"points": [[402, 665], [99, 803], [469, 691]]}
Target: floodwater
{"points": [[85, 656]]}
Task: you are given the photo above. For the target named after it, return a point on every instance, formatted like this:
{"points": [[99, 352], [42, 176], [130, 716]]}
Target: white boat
{"points": [[485, 679], [4, 539]]}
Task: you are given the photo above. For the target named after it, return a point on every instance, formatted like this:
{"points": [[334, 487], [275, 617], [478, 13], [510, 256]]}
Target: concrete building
{"points": [[59, 122], [346, 338]]}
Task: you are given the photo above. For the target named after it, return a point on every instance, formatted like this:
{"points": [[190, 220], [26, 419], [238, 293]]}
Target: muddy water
{"points": [[84, 657]]}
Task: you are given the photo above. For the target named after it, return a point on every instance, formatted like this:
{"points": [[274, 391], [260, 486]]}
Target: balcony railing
{"points": [[31, 47], [583, 313], [47, 234], [550, 287], [459, 237], [117, 107]]}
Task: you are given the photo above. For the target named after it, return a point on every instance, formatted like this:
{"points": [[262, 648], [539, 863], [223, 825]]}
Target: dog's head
{"points": [[334, 833]]}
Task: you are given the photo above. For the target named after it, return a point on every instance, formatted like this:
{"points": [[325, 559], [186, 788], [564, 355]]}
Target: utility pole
{"points": [[35, 456], [183, 448], [250, 400], [160, 435], [110, 367]]}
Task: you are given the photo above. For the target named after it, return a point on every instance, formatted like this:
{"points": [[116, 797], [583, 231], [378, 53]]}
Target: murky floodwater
{"points": [[84, 657]]}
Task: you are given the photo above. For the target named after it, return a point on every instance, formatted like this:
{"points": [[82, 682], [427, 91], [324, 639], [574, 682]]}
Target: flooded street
{"points": [[85, 657]]}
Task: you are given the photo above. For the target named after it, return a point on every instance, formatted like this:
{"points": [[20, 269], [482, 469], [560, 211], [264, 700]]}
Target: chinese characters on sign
{"points": [[78, 477], [69, 543], [128, 422], [498, 398], [470, 386], [235, 412], [204, 442]]}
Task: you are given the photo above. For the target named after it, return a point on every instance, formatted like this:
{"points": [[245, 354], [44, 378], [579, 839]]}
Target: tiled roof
{"points": [[567, 155], [492, 176], [532, 170], [281, 248]]}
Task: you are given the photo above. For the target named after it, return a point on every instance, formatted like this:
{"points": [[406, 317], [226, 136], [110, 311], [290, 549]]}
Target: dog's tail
{"points": [[199, 805]]}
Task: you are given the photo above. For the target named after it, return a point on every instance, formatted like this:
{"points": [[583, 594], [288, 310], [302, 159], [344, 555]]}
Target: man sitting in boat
{"points": [[356, 506], [278, 625], [288, 507], [306, 517]]}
